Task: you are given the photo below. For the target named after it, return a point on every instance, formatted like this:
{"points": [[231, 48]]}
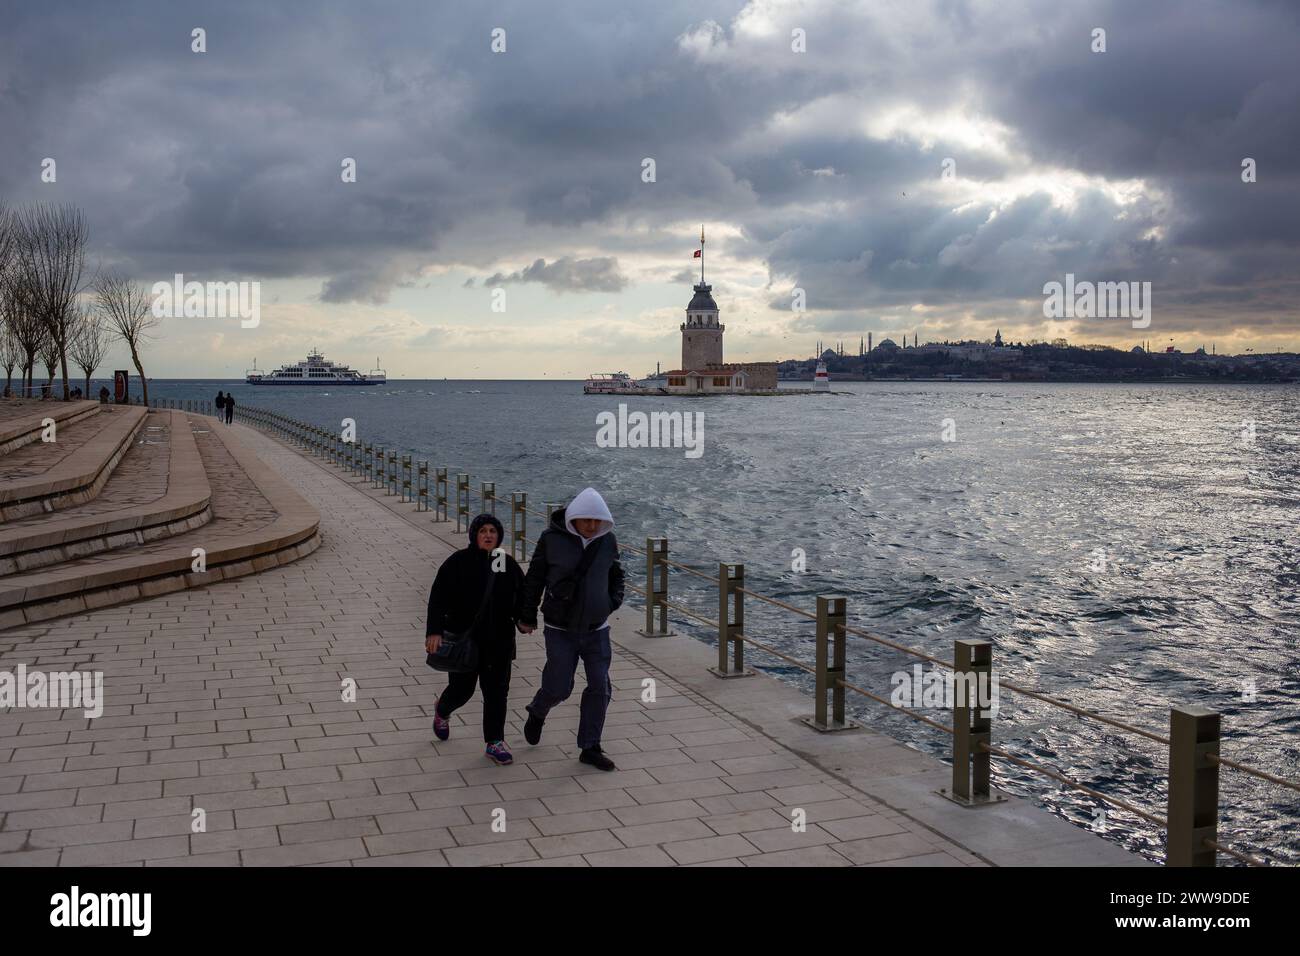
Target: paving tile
{"points": [[881, 848], [710, 848], [301, 854], [667, 831]]}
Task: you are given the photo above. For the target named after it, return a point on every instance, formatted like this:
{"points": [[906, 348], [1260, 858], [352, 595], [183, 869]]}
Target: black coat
{"points": [[598, 595], [457, 593]]}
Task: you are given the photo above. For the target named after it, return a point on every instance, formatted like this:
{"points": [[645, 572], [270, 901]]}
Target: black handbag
{"points": [[458, 652]]}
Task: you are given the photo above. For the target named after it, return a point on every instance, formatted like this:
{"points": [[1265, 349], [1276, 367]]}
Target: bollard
{"points": [[830, 670], [422, 486], [1193, 809], [972, 725], [731, 621], [656, 587], [518, 525], [406, 479], [440, 499], [462, 501], [488, 497]]}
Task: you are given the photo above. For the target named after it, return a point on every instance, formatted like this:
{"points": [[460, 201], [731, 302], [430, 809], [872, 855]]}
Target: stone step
{"points": [[258, 521], [22, 420], [159, 489], [41, 477]]}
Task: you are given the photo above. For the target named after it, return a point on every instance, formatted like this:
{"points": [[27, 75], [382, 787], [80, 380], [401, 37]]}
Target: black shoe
{"points": [[596, 758], [533, 729]]}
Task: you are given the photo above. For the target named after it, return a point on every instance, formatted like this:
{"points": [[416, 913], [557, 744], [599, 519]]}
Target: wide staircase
{"points": [[103, 504]]}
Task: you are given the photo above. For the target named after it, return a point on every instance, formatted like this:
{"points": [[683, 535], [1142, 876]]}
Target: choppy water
{"points": [[994, 535]]}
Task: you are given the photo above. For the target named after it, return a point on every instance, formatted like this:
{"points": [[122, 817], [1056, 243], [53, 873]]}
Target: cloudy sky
{"points": [[481, 172]]}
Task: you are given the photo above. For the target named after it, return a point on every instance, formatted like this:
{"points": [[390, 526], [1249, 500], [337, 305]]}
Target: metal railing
{"points": [[1193, 743]]}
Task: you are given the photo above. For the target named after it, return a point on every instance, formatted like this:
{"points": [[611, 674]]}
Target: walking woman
{"points": [[475, 596]]}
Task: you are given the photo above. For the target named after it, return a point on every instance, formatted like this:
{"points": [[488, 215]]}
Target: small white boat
{"points": [[600, 383]]}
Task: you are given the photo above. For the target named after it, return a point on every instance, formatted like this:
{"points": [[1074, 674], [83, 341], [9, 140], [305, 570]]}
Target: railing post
{"points": [[488, 497], [390, 474], [731, 621], [440, 496], [1193, 810], [462, 501], [656, 587], [550, 507], [422, 486], [406, 478], [378, 477], [830, 660], [972, 722], [519, 525]]}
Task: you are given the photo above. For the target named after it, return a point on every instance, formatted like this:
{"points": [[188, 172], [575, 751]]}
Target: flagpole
{"points": [[701, 253]]}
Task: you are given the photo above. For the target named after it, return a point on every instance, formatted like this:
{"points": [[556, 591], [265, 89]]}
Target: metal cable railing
{"points": [[1193, 743]]}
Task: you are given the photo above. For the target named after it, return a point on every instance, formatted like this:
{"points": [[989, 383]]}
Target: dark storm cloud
{"points": [[568, 275], [228, 163]]}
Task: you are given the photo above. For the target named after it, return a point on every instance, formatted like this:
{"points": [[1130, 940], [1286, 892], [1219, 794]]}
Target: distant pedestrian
{"points": [[103, 394], [474, 598], [230, 408], [220, 403], [576, 565]]}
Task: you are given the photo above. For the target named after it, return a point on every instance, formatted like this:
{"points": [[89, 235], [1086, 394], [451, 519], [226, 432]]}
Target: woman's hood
{"points": [[479, 522], [589, 504]]}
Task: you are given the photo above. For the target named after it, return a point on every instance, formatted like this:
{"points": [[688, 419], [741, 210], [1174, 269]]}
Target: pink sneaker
{"points": [[441, 729], [497, 753]]}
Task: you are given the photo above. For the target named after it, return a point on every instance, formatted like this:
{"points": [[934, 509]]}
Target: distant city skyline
{"points": [[913, 168]]}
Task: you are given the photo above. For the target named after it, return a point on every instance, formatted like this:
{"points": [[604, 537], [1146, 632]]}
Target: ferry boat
{"points": [[605, 383], [315, 369]]}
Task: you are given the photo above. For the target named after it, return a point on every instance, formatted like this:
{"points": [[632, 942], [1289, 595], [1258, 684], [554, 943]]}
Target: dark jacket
{"points": [[598, 595], [458, 590]]}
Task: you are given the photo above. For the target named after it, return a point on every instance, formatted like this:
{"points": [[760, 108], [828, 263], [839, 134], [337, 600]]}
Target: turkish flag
{"points": [[697, 253]]}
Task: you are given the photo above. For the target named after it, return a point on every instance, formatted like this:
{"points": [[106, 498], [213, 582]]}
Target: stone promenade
{"points": [[229, 699]]}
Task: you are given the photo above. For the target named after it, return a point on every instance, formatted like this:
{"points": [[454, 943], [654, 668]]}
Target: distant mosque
{"points": [[703, 370]]}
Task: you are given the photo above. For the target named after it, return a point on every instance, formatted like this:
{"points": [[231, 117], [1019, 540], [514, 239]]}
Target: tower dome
{"points": [[702, 301]]}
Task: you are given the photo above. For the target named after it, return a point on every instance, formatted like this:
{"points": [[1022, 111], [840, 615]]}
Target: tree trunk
{"points": [[87, 392], [63, 358], [144, 382]]}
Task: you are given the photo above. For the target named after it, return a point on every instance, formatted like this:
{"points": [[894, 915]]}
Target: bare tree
{"points": [[50, 246], [50, 358], [8, 343], [6, 237], [24, 324], [127, 309], [8, 347], [89, 344]]}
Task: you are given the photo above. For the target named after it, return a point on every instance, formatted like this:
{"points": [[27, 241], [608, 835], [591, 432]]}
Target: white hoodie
{"points": [[589, 504]]}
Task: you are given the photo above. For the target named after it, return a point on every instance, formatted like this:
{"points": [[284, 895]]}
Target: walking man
{"points": [[576, 567]]}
